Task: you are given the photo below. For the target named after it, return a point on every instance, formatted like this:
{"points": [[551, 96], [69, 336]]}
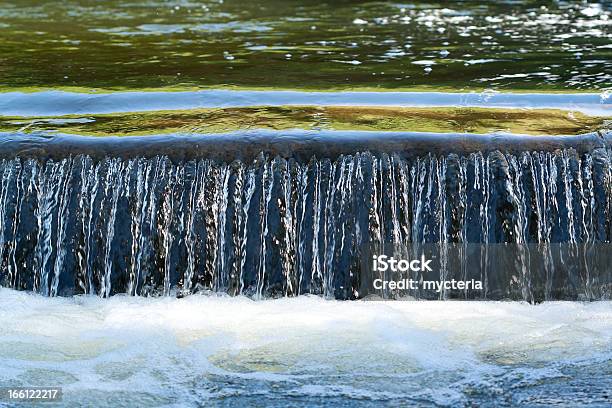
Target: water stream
{"points": [[191, 193], [273, 225]]}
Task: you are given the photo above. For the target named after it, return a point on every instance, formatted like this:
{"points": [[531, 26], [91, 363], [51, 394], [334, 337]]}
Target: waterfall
{"points": [[273, 226]]}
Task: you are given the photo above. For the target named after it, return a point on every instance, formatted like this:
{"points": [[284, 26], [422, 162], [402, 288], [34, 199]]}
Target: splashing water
{"points": [[132, 351]]}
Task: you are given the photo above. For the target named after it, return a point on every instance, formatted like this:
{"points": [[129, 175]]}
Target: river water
{"points": [[186, 186], [306, 351], [275, 44]]}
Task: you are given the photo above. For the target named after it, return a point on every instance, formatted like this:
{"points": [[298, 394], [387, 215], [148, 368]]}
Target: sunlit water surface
{"points": [[219, 351], [458, 45]]}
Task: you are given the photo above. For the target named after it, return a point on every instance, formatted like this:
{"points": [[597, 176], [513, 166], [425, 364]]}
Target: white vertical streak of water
{"points": [[63, 188], [47, 201], [329, 236], [418, 174], [7, 176], [222, 182], [167, 208], [288, 251], [20, 188], [568, 180], [316, 267], [405, 210], [250, 190], [112, 188], [346, 190], [239, 220], [463, 198], [395, 219], [442, 220], [267, 183]]}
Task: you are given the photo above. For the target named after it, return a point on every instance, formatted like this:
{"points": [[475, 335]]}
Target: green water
{"points": [[437, 120], [284, 44]]}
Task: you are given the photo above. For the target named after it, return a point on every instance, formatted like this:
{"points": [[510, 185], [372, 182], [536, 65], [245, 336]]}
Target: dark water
{"points": [[455, 45], [269, 216]]}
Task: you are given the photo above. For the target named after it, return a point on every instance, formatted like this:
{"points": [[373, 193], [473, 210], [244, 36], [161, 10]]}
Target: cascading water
{"points": [[191, 191], [274, 225]]}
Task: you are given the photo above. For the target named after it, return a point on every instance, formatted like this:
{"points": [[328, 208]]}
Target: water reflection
{"points": [[306, 44]]}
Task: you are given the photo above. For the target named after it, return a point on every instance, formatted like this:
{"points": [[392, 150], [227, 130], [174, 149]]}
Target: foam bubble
{"points": [[167, 351]]}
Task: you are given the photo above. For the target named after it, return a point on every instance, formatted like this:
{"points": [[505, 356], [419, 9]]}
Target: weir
{"points": [[272, 214], [281, 203]]}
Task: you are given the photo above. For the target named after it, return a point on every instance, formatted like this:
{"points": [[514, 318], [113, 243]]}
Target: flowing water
{"points": [[306, 351], [270, 226], [190, 190], [305, 44]]}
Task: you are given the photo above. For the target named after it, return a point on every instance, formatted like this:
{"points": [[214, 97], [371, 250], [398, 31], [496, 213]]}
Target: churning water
{"points": [[222, 351]]}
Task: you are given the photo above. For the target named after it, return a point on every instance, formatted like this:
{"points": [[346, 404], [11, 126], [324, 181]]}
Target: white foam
{"points": [[164, 346]]}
